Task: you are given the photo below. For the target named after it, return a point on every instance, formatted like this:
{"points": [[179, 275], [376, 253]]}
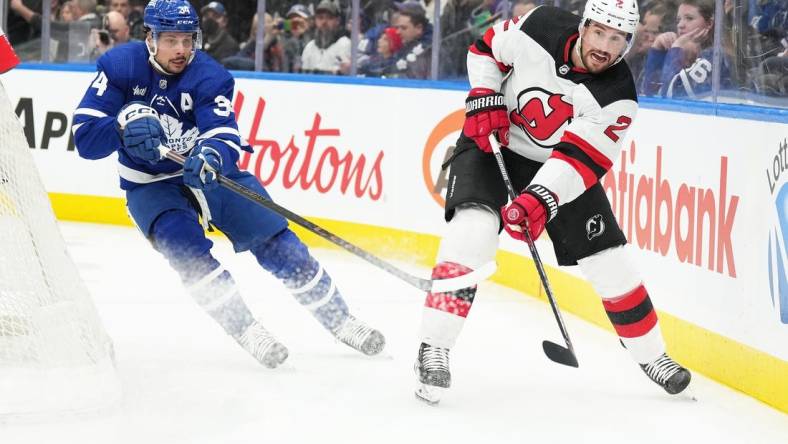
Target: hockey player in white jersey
{"points": [[166, 91], [552, 87]]}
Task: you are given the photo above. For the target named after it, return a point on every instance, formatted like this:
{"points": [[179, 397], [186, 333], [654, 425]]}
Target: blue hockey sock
{"points": [[287, 258], [180, 238]]}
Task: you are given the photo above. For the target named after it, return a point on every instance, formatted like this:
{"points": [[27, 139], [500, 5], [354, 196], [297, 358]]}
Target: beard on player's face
{"points": [[601, 46], [596, 61]]}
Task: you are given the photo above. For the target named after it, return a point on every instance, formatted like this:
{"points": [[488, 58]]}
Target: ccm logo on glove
{"points": [[134, 111], [141, 132]]}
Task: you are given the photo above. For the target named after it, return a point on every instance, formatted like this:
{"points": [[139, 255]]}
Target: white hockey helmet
{"points": [[617, 14]]}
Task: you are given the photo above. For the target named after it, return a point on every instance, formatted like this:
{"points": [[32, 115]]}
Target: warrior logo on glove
{"points": [[485, 112]]}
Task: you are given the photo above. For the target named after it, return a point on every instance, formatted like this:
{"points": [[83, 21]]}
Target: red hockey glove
{"points": [[485, 112], [536, 206]]}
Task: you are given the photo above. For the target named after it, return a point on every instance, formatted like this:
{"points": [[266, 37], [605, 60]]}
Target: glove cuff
{"points": [[477, 103], [546, 197], [135, 111]]}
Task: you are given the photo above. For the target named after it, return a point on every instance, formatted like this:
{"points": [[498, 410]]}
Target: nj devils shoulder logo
{"points": [[542, 115]]}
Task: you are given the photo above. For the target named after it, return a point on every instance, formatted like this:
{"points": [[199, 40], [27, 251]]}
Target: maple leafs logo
{"points": [[177, 140]]}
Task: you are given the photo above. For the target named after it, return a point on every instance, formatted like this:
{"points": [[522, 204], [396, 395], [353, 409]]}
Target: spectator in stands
{"points": [[772, 78], [652, 17], [487, 13], [522, 7], [25, 22], [85, 11], [120, 6], [217, 42], [297, 33], [118, 28], [379, 19], [679, 64], [457, 34], [382, 63], [414, 60], [135, 19], [272, 49], [70, 31], [115, 32], [67, 12], [330, 48]]}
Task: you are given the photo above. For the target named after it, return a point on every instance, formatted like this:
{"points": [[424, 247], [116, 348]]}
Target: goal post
{"points": [[55, 356]]}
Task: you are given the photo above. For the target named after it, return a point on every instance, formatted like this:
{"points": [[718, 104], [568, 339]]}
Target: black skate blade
{"points": [[560, 354]]}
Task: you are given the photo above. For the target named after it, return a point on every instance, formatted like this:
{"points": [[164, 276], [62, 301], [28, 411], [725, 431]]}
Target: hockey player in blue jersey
{"points": [[166, 91]]}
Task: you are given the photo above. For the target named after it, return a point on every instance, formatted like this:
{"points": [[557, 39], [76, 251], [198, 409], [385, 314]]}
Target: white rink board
{"points": [[390, 127]]}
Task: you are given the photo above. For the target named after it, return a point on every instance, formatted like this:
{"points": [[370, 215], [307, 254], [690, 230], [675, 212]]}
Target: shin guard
{"points": [[179, 237]]}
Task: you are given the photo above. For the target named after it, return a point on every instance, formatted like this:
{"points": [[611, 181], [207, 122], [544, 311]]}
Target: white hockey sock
{"points": [[218, 295], [471, 241]]}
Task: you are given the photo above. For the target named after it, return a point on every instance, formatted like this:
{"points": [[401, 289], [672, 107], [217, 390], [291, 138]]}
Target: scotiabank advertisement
{"points": [[702, 199]]}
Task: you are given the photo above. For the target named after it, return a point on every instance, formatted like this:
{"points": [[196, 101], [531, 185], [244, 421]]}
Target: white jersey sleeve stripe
{"points": [[135, 176], [89, 112]]}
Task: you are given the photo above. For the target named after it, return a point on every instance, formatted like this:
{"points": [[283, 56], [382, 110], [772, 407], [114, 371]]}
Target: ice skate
{"points": [[261, 344], [668, 374], [360, 336], [432, 369]]}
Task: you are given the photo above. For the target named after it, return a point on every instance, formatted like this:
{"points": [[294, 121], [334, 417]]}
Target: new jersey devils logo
{"points": [[595, 226], [542, 115]]}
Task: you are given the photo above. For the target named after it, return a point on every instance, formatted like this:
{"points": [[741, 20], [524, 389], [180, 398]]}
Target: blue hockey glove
{"points": [[201, 168], [142, 132]]}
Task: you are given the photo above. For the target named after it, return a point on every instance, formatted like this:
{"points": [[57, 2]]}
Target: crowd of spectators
{"points": [[672, 54]]}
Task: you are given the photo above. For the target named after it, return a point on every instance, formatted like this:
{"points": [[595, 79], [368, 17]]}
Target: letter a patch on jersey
{"points": [[542, 115]]}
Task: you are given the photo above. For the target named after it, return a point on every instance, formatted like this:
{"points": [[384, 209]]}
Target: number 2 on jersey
{"points": [[623, 123]]}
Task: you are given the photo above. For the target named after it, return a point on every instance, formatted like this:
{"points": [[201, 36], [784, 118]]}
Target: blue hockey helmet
{"points": [[171, 16]]}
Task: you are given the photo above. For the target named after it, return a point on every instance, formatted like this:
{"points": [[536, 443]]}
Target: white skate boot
{"points": [[261, 344], [360, 336]]}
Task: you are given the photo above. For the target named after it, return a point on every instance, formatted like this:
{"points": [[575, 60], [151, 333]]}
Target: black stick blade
{"points": [[560, 354]]}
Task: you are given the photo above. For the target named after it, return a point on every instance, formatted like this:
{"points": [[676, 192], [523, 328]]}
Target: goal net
{"points": [[54, 353]]}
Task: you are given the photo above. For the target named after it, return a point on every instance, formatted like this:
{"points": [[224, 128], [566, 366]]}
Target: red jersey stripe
{"points": [[595, 155], [588, 176]]}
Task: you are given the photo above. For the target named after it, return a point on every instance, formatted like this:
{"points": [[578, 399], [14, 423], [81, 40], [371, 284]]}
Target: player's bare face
{"points": [[601, 46], [174, 50]]}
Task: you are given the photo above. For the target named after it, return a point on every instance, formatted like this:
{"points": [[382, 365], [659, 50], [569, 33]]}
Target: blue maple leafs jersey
{"points": [[195, 107]]}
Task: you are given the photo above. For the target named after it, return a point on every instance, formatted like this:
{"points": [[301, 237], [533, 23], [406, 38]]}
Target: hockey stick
{"points": [[557, 353], [441, 285]]}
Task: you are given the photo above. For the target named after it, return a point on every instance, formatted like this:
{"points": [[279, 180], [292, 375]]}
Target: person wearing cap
{"points": [[329, 50], [381, 64], [218, 43], [415, 32], [297, 34]]}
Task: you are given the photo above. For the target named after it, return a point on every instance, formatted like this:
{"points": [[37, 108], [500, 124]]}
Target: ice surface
{"points": [[185, 381]]}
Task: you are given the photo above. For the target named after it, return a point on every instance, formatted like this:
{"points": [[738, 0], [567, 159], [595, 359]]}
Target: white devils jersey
{"points": [[559, 114]]}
